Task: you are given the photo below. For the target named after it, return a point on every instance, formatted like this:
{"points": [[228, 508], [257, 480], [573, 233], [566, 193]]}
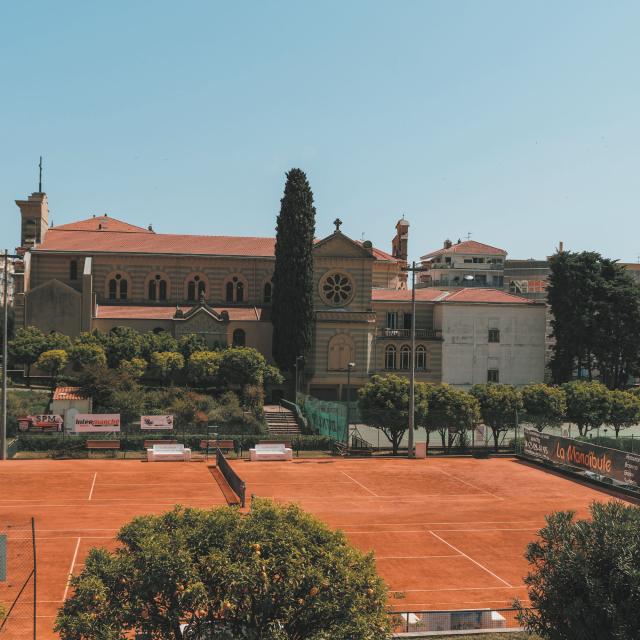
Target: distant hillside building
{"points": [[101, 272], [464, 264]]}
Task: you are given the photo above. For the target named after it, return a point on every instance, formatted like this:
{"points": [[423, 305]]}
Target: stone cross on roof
{"points": [[337, 222]]}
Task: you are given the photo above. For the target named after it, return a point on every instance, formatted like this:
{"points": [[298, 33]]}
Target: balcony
{"points": [[467, 266], [405, 334]]}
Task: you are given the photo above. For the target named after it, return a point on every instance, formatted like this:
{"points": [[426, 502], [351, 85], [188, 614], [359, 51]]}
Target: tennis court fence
{"points": [[444, 622], [18, 579], [235, 482]]}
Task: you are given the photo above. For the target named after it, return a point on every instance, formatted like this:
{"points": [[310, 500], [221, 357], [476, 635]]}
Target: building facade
{"points": [[101, 272]]}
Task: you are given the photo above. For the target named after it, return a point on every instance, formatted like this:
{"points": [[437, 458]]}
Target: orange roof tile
{"points": [[486, 295], [427, 294], [102, 223], [68, 393], [92, 242], [470, 247]]}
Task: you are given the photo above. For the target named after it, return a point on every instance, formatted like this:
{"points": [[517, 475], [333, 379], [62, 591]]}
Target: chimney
{"points": [[447, 244], [560, 246], [400, 243], [35, 219]]}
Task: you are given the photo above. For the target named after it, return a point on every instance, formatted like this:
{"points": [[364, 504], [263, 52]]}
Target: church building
{"points": [[102, 272]]}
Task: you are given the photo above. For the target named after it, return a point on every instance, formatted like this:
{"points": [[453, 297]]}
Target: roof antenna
{"points": [[40, 178], [468, 235]]}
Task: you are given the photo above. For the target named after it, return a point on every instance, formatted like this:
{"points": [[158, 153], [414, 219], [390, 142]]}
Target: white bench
{"points": [[270, 452], [175, 451]]}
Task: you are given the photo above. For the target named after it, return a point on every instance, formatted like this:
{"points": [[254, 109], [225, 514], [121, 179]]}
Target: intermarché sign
{"points": [[619, 465]]}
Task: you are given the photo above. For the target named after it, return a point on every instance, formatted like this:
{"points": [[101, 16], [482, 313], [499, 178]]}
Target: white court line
{"points": [[492, 529], [391, 531], [413, 524], [470, 558], [453, 589], [451, 555], [73, 562], [359, 483], [473, 486], [93, 484]]}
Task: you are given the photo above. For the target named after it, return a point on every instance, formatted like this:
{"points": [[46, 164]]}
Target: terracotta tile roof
{"points": [[68, 393], [102, 223], [431, 294], [131, 312], [486, 295], [470, 247], [155, 243], [427, 294], [123, 237]]}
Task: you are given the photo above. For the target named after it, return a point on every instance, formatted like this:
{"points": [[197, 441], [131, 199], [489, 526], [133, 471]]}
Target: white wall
{"points": [[467, 353]]}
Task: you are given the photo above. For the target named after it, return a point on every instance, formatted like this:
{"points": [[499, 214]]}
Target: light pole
{"points": [[350, 367], [412, 379], [299, 360], [5, 340]]}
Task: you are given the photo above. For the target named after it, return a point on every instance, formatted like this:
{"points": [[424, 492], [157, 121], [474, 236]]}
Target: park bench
{"points": [[149, 443], [270, 451], [104, 445], [212, 445], [168, 452]]}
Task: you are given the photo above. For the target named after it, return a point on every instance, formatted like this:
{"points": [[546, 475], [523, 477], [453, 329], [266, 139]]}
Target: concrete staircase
{"points": [[281, 421]]}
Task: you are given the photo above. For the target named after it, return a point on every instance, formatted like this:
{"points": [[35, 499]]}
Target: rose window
{"points": [[336, 289]]}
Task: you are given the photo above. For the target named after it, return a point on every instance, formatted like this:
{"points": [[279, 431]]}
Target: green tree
{"points": [[271, 574], [202, 368], [53, 362], [544, 406], [102, 384], [384, 404], [588, 404], [595, 307], [11, 323], [292, 304], [27, 346], [122, 343], [157, 342], [84, 354], [624, 410], [136, 367], [499, 404], [240, 366], [451, 411], [166, 365], [585, 576], [190, 343], [57, 341]]}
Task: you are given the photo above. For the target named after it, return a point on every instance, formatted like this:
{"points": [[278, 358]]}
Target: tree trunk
{"points": [[29, 376], [496, 435]]}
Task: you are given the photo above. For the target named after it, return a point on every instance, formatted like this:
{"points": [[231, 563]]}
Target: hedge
{"points": [[58, 442]]}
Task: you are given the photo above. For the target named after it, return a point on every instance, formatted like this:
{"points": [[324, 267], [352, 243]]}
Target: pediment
{"points": [[342, 246], [55, 285]]}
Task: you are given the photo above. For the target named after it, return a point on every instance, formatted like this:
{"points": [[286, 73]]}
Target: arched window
{"points": [[235, 290], [421, 358], [157, 288], [405, 357], [117, 286], [390, 357], [196, 288], [266, 294], [239, 338]]}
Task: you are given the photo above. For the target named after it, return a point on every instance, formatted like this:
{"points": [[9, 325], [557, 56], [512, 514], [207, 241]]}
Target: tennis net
{"points": [[234, 480]]}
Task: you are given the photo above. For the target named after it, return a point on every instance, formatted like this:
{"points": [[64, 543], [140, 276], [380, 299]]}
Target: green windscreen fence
{"points": [[325, 417]]}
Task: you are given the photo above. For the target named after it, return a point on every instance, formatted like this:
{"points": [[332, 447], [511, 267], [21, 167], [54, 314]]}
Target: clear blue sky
{"points": [[516, 121]]}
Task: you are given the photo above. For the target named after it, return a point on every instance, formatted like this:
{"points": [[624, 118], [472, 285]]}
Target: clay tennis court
{"points": [[447, 533]]}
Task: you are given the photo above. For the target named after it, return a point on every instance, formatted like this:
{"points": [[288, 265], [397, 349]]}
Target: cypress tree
{"points": [[292, 303]]}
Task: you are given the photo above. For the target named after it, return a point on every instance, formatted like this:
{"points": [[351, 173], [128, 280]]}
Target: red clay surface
{"points": [[447, 533]]}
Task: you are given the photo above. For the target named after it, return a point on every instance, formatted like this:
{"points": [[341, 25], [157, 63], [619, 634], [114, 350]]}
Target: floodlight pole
{"points": [[5, 340], [412, 379]]}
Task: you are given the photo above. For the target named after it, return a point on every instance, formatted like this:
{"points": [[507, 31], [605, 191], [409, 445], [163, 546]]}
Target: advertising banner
{"points": [[97, 422], [40, 423], [618, 465], [156, 422]]}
